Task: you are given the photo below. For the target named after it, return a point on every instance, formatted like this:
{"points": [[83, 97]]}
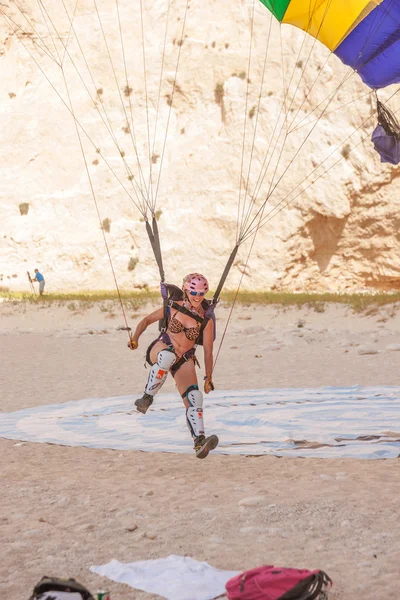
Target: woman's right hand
{"points": [[208, 385], [132, 344]]}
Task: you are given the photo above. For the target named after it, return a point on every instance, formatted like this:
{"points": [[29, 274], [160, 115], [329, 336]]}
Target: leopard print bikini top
{"points": [[175, 326]]}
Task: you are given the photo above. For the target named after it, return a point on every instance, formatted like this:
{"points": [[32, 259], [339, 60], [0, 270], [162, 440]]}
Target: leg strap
{"points": [[184, 358], [164, 337]]}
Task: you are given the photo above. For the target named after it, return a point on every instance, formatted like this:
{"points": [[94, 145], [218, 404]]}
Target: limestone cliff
{"points": [[78, 68]]}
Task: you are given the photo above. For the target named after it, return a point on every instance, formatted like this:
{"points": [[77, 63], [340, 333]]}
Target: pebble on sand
{"points": [[252, 501]]}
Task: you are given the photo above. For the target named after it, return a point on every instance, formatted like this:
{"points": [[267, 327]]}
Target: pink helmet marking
{"points": [[195, 282]]}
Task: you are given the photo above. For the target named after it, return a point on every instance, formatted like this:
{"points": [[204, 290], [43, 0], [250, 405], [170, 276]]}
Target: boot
{"points": [[203, 445], [144, 403]]}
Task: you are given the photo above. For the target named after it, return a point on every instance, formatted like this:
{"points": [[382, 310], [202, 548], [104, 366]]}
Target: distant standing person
{"points": [[40, 279]]}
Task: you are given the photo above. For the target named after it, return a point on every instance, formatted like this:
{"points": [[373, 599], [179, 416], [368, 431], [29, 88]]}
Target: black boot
{"points": [[203, 445], [144, 403]]}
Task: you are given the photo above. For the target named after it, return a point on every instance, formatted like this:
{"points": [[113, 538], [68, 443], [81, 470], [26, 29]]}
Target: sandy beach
{"points": [[64, 509]]}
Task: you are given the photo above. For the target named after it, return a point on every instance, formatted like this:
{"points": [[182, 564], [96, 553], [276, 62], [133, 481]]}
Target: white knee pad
{"points": [[194, 414], [194, 396], [165, 359], [159, 371]]}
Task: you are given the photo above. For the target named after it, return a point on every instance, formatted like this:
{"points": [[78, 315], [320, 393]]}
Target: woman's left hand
{"points": [[208, 385]]}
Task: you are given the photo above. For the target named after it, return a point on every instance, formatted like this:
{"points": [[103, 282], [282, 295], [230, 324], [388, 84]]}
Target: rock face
{"points": [[82, 107]]}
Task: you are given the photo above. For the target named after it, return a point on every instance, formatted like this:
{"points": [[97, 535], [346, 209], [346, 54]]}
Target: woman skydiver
{"points": [[174, 351]]}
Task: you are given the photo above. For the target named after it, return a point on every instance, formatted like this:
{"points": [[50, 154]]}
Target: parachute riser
{"points": [[225, 274], [154, 237], [220, 286]]}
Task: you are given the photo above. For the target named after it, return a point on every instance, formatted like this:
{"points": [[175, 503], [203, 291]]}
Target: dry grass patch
{"points": [[135, 300]]}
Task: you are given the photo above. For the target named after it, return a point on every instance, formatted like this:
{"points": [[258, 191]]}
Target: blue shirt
{"points": [[39, 276]]}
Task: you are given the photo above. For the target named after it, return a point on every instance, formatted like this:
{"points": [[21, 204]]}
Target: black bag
{"points": [[48, 588]]}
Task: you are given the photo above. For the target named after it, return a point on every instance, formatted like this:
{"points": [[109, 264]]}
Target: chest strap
{"points": [[185, 311]]}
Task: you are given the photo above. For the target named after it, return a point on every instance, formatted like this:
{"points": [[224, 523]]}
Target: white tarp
{"points": [[358, 422]]}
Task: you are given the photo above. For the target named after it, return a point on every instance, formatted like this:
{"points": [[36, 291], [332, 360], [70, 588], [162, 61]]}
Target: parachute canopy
{"points": [[364, 34]]}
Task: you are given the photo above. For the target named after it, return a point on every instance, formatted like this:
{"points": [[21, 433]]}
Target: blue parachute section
{"points": [[373, 47]]}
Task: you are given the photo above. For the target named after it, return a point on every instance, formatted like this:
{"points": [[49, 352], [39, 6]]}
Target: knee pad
{"points": [[165, 359], [194, 414], [159, 371], [193, 396]]}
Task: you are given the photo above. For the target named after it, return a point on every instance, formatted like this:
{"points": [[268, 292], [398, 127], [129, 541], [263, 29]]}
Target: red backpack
{"points": [[279, 583]]}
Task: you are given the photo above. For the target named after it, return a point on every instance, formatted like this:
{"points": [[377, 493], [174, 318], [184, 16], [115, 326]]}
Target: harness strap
{"points": [[185, 311], [203, 326], [184, 358]]}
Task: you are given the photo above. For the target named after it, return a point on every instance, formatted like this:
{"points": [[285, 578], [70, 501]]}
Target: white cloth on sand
{"points": [[173, 578]]}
